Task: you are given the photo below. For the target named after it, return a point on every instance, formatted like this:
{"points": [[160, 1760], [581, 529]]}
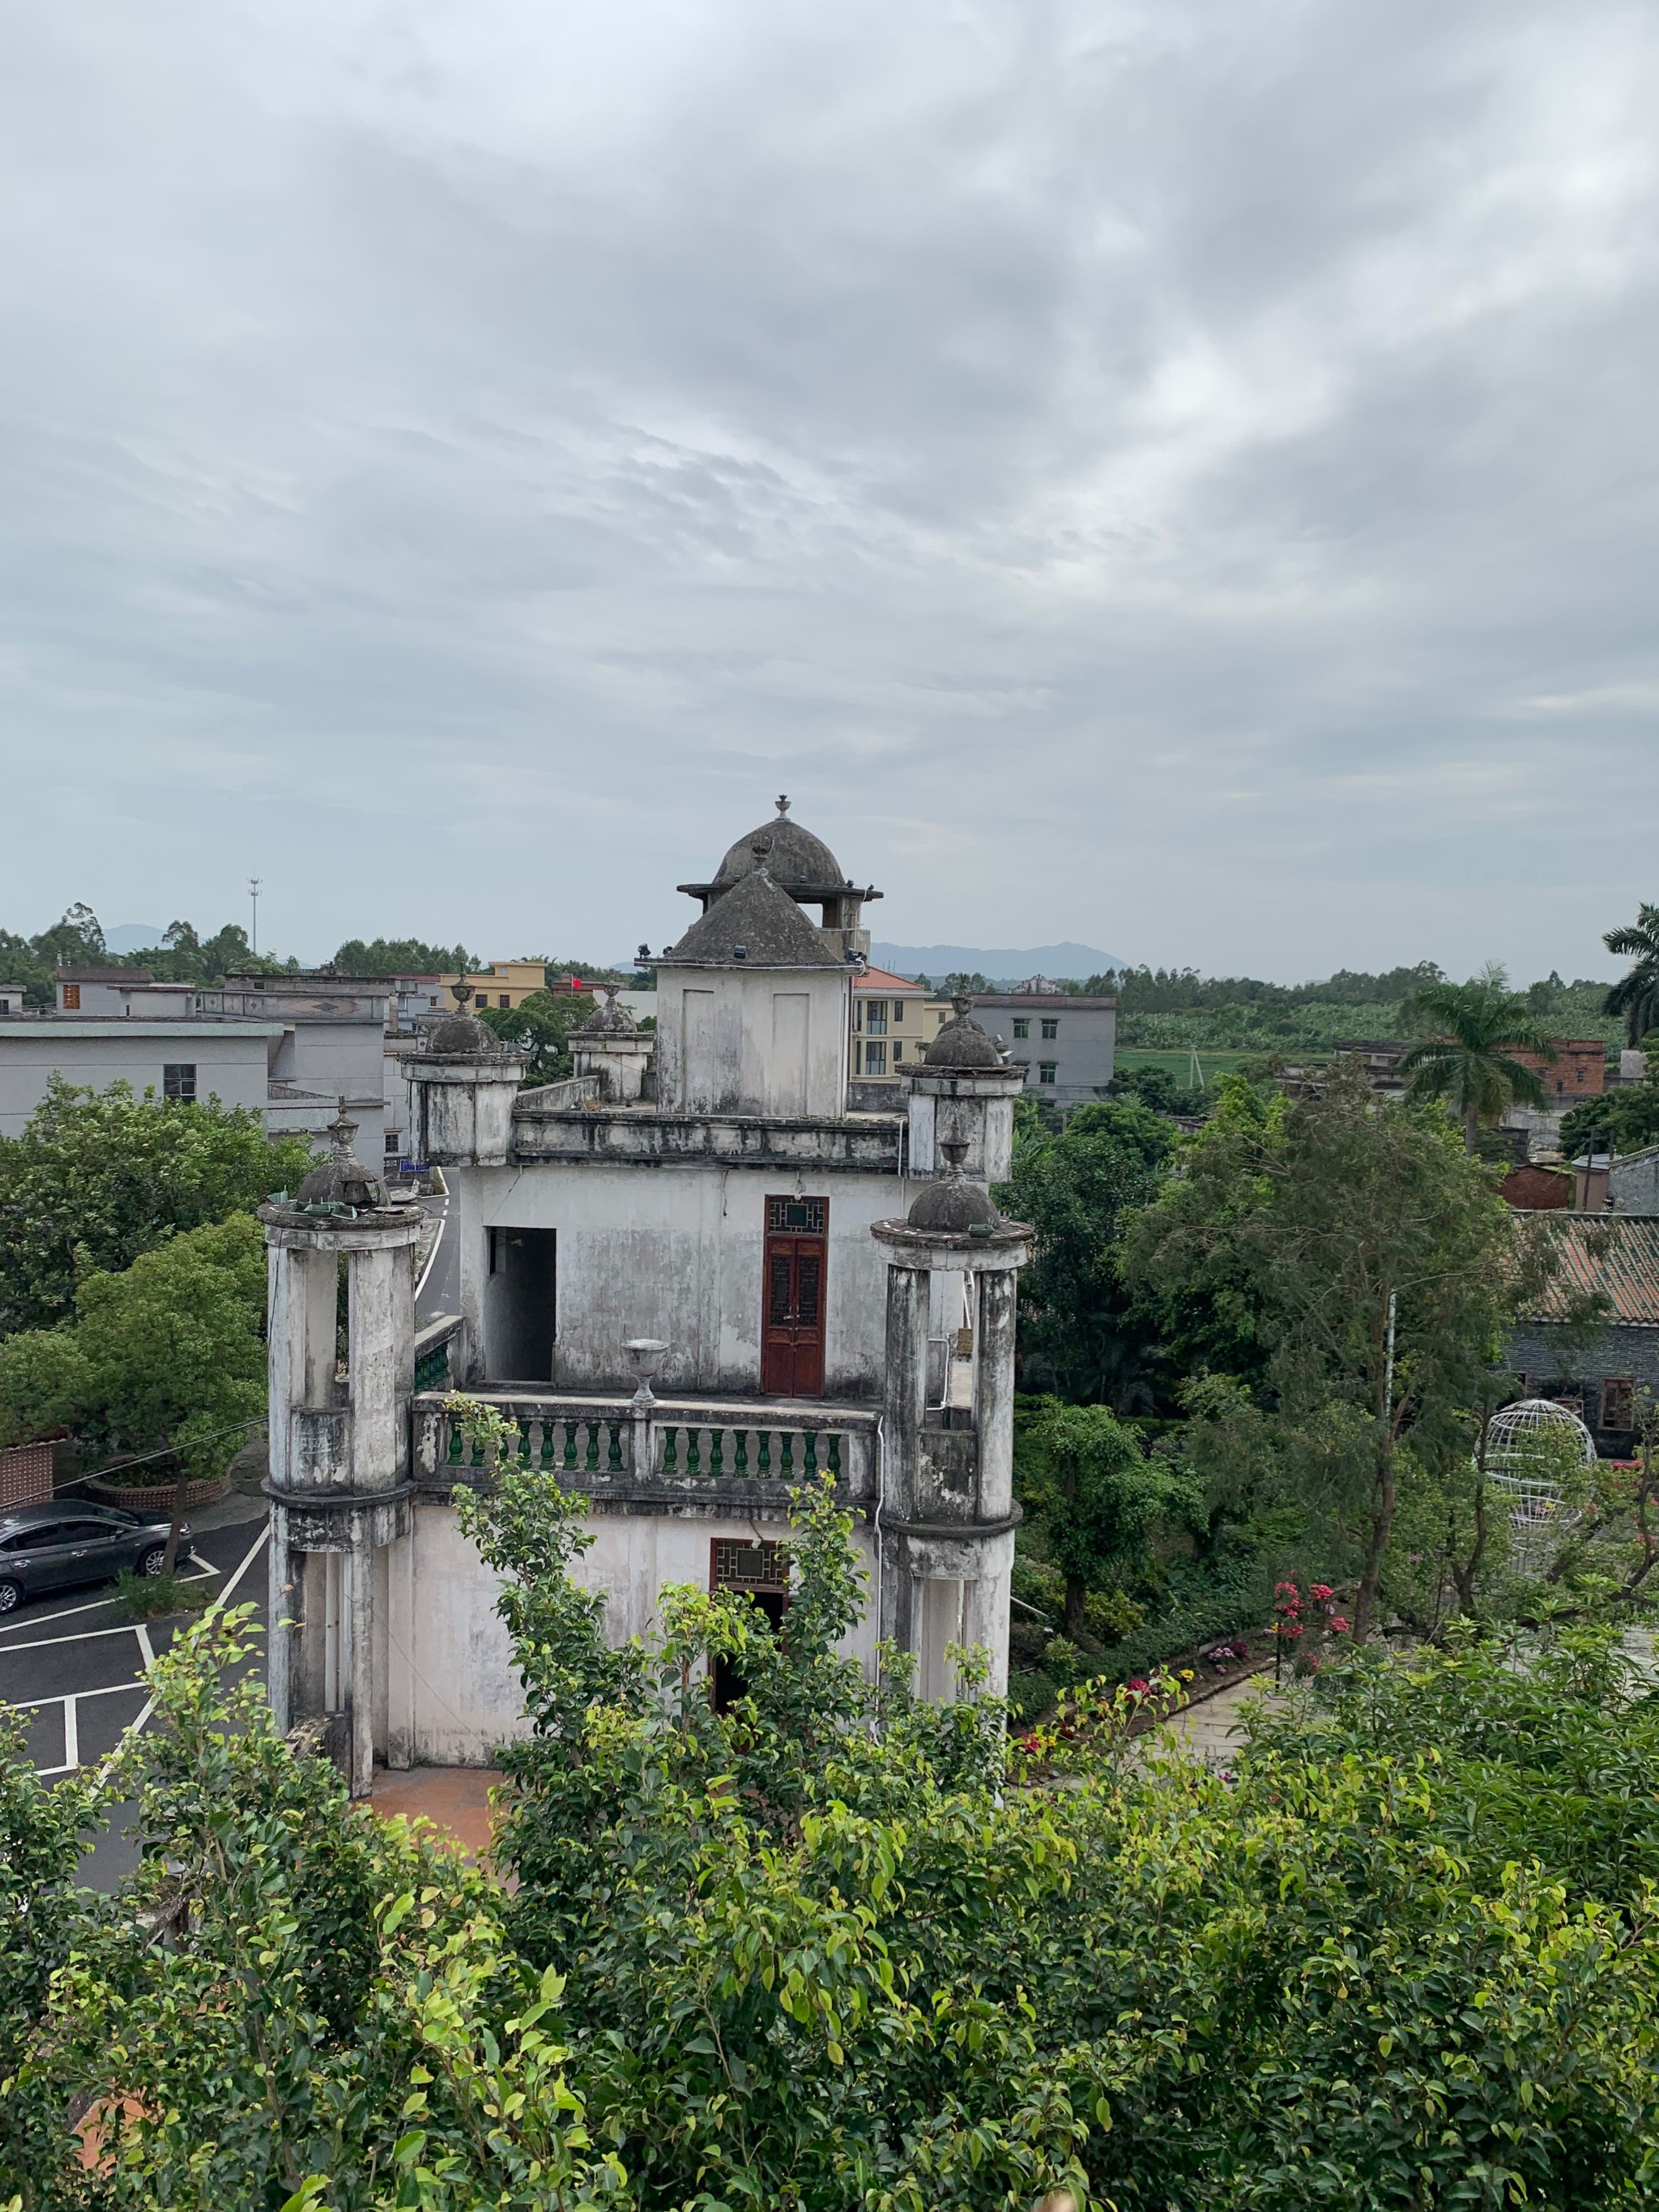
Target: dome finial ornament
{"points": [[962, 1044], [460, 990], [783, 803]]}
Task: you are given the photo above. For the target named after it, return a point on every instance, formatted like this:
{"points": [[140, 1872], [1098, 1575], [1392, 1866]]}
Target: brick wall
{"points": [[26, 1475], [1580, 1072]]}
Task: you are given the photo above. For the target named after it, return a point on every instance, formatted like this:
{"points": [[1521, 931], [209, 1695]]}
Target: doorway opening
{"points": [[792, 1287], [761, 1572], [521, 1303]]}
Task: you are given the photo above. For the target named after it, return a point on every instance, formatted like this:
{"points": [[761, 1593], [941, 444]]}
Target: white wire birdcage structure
{"points": [[1533, 1448]]}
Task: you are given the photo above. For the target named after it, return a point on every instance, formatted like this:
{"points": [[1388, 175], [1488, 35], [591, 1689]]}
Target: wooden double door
{"points": [[792, 1321]]}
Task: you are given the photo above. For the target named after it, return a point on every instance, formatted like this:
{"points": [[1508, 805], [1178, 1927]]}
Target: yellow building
{"points": [[503, 983], [894, 1022]]}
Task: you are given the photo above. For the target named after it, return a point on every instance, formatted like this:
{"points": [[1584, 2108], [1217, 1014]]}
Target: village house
{"points": [[1601, 1367], [693, 1275]]}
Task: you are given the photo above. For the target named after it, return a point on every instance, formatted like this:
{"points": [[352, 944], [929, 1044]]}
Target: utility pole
{"points": [[253, 893]]}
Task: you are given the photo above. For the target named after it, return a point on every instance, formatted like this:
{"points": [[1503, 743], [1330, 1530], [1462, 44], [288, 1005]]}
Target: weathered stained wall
{"points": [[677, 1253], [752, 1041], [451, 1693]]}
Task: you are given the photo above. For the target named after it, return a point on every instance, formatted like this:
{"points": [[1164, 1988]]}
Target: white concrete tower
{"points": [[948, 1514], [463, 1083], [342, 1359], [962, 1087]]}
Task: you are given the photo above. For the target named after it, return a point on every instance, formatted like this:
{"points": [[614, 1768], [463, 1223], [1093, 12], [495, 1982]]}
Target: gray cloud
{"points": [[1178, 476]]}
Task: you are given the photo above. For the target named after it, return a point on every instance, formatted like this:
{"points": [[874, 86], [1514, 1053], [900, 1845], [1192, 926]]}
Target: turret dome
{"points": [[962, 1043], [462, 1035], [342, 1179], [797, 862]]}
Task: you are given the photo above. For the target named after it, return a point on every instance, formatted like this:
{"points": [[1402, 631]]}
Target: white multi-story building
{"points": [[812, 1289], [295, 1049]]}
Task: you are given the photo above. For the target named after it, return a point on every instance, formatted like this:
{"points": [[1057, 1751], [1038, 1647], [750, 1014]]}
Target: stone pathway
{"points": [[1209, 1730]]}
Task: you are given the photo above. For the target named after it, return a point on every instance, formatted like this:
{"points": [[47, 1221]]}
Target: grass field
{"points": [[1178, 1064]]}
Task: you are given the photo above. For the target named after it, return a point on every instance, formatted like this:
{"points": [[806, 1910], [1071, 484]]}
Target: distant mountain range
{"points": [[998, 964]]}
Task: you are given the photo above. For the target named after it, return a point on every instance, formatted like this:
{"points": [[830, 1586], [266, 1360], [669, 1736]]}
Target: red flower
{"points": [[1136, 1686], [1321, 1591], [1339, 1626]]}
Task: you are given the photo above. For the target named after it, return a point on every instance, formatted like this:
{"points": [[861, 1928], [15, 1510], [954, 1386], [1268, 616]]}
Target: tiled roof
{"points": [[1616, 1253], [882, 979]]}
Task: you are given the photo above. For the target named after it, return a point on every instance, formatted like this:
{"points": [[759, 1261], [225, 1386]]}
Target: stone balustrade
{"points": [[742, 1453]]}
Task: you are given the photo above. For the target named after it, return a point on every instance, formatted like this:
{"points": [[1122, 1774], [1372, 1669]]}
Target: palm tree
{"points": [[1473, 1028], [1635, 996]]}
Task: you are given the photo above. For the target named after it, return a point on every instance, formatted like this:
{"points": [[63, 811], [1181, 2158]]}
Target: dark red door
{"points": [[792, 1332]]}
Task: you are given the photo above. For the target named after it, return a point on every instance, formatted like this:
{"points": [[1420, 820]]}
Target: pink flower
{"points": [[1321, 1591], [1339, 1626]]}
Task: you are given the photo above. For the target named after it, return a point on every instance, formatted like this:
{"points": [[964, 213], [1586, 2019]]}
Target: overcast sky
{"points": [[1176, 476]]}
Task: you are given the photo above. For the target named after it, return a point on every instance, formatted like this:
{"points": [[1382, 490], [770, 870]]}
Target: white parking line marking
{"points": [[70, 1612], [71, 1736], [224, 1597], [144, 1644], [251, 1554], [56, 1696], [80, 1636]]}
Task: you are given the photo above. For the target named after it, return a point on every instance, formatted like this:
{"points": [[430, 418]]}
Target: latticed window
{"points": [[750, 1566], [179, 1080], [800, 1213]]}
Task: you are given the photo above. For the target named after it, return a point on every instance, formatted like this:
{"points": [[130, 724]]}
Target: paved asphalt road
{"points": [[73, 1664]]}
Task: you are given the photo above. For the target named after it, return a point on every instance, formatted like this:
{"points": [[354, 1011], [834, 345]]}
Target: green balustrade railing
{"points": [[598, 1445]]}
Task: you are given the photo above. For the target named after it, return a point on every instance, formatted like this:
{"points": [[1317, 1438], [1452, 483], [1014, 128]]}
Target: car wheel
{"points": [[153, 1561], [10, 1597]]}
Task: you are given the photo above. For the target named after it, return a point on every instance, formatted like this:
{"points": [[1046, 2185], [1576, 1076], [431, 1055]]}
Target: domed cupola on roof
{"points": [[962, 1044], [462, 1032], [800, 863], [804, 866]]}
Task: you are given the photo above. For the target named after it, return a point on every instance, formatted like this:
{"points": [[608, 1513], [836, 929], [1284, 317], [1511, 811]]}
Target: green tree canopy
{"points": [[401, 955], [1099, 1500], [1374, 1269], [836, 1952], [1634, 997], [96, 1178], [186, 956], [540, 1026], [1473, 1030], [1078, 1331], [167, 1353]]}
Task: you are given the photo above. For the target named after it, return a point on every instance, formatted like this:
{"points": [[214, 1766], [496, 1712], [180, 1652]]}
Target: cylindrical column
{"points": [[362, 1665], [906, 1383], [279, 1670], [994, 1391]]}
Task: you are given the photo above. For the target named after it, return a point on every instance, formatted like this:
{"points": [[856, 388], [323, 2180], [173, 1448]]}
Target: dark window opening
{"points": [[1619, 1403], [1050, 1030], [761, 1573], [1048, 1071], [179, 1080], [1022, 1026]]}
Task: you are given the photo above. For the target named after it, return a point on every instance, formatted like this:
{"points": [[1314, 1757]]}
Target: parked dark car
{"points": [[47, 1547]]}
